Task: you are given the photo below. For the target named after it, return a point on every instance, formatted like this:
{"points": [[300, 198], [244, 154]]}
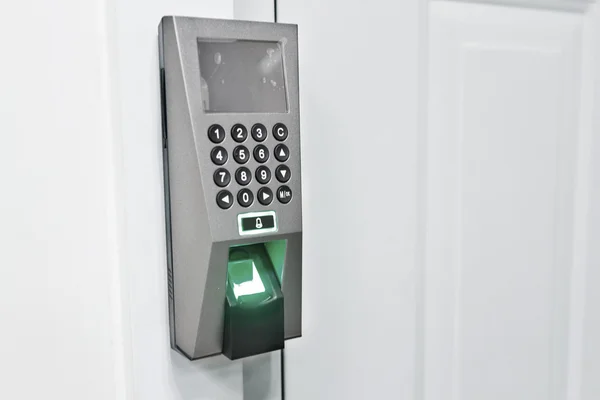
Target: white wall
{"points": [[59, 299]]}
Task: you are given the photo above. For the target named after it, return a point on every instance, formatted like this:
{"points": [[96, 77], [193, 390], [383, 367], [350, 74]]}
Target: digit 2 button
{"points": [[239, 133], [259, 132]]}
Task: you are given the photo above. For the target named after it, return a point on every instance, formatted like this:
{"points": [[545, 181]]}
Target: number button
{"points": [[283, 173], [218, 155], [243, 176], [280, 132], [224, 199], [222, 177], [216, 133], [263, 174], [282, 153], [259, 132], [265, 196], [239, 133], [240, 154], [284, 194], [261, 153], [245, 197]]}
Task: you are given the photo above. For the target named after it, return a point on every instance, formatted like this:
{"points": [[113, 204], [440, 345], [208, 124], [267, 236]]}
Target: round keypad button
{"points": [[280, 132], [261, 153], [264, 196], [259, 132], [239, 133], [216, 133], [284, 194], [245, 197], [282, 153], [283, 173], [243, 176], [263, 174], [224, 199], [218, 155], [241, 154], [222, 177]]}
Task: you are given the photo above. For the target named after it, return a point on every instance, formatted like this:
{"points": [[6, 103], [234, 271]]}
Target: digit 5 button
{"points": [[240, 154], [282, 153], [218, 155], [284, 194], [283, 173], [280, 132]]}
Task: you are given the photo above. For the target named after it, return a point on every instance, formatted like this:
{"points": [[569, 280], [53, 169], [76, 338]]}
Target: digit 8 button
{"points": [[245, 197], [240, 154], [243, 176], [280, 132], [261, 153], [259, 132]]}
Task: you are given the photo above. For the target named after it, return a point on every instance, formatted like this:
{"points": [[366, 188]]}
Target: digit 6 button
{"points": [[245, 197], [218, 155], [241, 155], [261, 153], [282, 153], [259, 132], [280, 132]]}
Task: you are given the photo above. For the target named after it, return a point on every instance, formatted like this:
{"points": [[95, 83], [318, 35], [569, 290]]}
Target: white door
{"points": [[450, 159]]}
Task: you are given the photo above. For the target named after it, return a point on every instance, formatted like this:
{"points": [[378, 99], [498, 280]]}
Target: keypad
{"points": [[255, 147]]}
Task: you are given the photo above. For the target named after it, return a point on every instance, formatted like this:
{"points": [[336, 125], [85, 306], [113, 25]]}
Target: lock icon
{"points": [[258, 223]]}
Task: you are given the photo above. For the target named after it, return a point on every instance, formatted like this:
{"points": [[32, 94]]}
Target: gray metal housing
{"points": [[199, 233]]}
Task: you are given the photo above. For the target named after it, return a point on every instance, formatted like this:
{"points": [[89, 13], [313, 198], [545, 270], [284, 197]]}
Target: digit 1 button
{"points": [[284, 194], [245, 197], [282, 153], [240, 154], [261, 153], [239, 133], [265, 196], [280, 132], [224, 199], [263, 174], [222, 177], [243, 176], [259, 132], [283, 173], [218, 155], [216, 133]]}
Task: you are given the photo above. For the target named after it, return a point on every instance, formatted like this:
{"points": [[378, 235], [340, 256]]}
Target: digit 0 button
{"points": [[245, 197], [280, 132], [259, 132], [282, 153], [218, 155], [216, 133]]}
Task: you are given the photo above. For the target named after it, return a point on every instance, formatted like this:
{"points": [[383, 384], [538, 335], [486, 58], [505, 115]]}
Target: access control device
{"points": [[231, 146]]}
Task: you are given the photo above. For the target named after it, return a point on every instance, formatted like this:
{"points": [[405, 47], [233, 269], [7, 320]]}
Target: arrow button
{"points": [[224, 199], [282, 153], [265, 196], [283, 173]]}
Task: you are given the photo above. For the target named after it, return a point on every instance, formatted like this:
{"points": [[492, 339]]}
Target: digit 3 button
{"points": [[283, 173], [280, 132], [258, 132], [265, 196], [224, 199], [245, 197], [282, 153], [284, 194], [218, 155]]}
